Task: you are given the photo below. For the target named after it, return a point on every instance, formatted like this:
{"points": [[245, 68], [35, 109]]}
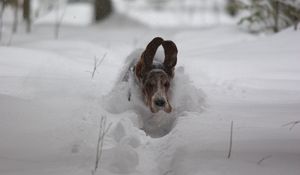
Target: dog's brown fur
{"points": [[154, 78]]}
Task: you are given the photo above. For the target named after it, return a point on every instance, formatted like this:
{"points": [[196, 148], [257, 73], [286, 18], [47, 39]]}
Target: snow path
{"points": [[50, 107]]}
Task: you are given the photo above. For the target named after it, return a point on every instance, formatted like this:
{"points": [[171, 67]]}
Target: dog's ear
{"points": [[145, 63], [170, 56]]}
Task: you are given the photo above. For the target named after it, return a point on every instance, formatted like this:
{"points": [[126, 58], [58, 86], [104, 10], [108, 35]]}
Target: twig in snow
{"points": [[97, 62], [264, 158], [103, 130], [230, 141], [292, 124]]}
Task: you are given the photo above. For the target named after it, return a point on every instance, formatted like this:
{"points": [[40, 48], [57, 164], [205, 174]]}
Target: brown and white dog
{"points": [[154, 77]]}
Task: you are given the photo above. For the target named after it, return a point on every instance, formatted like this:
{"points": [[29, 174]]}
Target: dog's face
{"points": [[155, 79], [155, 89]]}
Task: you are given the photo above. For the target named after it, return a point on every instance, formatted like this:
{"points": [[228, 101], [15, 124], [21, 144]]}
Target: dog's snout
{"points": [[160, 102]]}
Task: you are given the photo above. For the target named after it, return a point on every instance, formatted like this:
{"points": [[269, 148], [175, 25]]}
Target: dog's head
{"points": [[155, 78]]}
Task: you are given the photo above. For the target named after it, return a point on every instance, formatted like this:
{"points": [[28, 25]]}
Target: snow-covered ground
{"points": [[50, 106]]}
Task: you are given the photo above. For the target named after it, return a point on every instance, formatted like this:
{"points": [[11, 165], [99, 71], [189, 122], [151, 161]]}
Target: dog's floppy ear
{"points": [[170, 56], [147, 57]]}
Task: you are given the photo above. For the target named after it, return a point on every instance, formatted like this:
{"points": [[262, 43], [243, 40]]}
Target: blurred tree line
{"points": [[266, 14], [102, 8], [259, 15]]}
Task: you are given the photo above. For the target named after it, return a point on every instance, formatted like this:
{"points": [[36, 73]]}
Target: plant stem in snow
{"points": [[230, 141], [103, 129], [97, 62], [264, 158], [292, 124]]}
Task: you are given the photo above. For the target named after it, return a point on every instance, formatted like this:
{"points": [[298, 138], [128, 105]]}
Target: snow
{"points": [[50, 106], [176, 13], [76, 14]]}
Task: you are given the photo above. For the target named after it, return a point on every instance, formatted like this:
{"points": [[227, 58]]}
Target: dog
{"points": [[148, 90], [153, 77]]}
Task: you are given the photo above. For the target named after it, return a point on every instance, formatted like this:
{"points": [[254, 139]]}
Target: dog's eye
{"points": [[150, 85], [167, 84]]}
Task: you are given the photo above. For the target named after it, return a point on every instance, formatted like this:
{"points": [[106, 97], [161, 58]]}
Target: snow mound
{"points": [[122, 157]]}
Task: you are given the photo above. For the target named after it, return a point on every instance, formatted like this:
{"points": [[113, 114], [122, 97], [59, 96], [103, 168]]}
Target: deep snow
{"points": [[50, 107]]}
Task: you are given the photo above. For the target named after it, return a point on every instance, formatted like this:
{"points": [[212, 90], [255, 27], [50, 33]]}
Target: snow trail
{"points": [[50, 107]]}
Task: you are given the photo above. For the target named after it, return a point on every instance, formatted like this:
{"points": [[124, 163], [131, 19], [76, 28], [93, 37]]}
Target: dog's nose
{"points": [[160, 102]]}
